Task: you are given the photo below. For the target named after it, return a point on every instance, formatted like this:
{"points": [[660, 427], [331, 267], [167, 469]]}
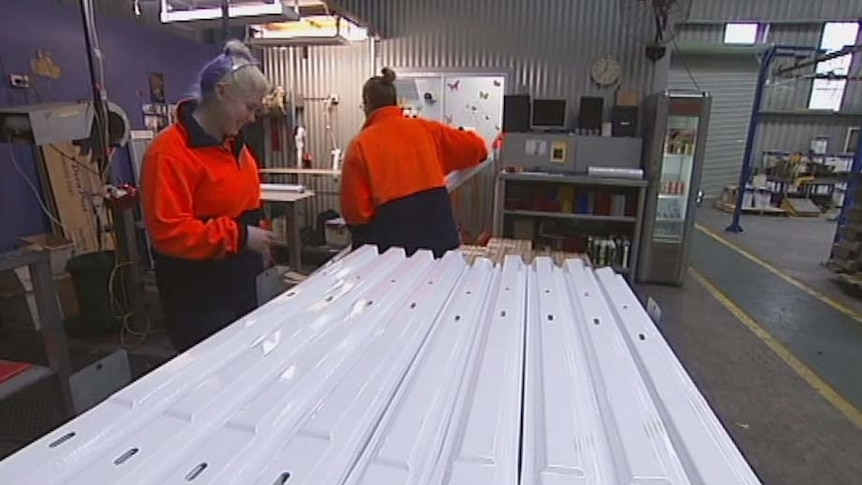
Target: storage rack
{"points": [[584, 223], [824, 182], [773, 53]]}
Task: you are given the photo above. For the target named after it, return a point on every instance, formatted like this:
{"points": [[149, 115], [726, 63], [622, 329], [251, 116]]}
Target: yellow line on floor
{"points": [[785, 354], [777, 272]]}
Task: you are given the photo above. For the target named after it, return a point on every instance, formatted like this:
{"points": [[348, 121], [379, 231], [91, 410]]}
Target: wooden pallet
{"points": [[760, 211], [841, 266], [497, 250], [801, 208], [853, 280]]}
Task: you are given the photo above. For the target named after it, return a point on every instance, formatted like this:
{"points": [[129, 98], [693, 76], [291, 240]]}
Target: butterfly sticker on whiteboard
{"points": [[454, 86], [497, 83], [484, 95]]}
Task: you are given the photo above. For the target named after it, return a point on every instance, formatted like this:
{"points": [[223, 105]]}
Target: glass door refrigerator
{"points": [[675, 125]]}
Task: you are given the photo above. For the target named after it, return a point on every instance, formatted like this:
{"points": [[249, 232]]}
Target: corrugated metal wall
{"points": [[546, 46], [788, 10], [731, 83], [313, 74], [798, 23]]}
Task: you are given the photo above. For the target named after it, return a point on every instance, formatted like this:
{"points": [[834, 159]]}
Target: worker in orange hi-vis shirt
{"points": [[200, 190], [393, 188]]}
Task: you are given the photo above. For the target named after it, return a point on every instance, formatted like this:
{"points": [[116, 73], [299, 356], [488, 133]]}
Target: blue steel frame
{"points": [[771, 53], [849, 200]]}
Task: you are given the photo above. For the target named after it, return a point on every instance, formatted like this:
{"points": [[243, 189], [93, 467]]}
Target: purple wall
{"points": [[132, 50]]}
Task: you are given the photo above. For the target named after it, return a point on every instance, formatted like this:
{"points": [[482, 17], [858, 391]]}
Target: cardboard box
{"points": [[628, 98]]}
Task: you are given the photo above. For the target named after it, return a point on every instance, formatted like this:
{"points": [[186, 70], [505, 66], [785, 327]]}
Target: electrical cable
{"points": [[685, 65], [33, 188]]}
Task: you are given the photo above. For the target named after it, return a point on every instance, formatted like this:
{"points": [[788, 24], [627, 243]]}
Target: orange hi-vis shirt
{"points": [[395, 157], [196, 190]]}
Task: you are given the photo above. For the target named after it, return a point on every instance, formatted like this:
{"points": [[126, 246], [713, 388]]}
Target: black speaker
{"points": [[625, 121], [516, 113], [591, 114]]}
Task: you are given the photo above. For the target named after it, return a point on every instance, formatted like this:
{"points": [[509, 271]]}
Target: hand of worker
{"points": [[260, 240]]}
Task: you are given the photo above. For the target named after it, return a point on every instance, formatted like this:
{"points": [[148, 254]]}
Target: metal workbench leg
{"points": [[53, 333], [294, 237]]}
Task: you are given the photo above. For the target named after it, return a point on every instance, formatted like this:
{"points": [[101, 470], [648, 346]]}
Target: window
{"points": [[741, 33], [828, 94]]}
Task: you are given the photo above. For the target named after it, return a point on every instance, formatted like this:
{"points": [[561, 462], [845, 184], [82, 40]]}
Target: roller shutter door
{"points": [[731, 82]]}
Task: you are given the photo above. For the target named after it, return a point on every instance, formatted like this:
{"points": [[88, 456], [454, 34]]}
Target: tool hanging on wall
{"points": [[299, 143]]}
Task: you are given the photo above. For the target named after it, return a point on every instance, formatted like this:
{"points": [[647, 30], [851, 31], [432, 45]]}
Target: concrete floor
{"points": [[789, 433], [798, 246]]}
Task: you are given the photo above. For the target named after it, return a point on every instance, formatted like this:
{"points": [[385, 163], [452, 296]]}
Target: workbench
{"points": [[290, 200], [51, 328]]}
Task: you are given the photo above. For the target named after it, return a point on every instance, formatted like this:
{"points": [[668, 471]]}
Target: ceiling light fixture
{"points": [[239, 11], [315, 29]]}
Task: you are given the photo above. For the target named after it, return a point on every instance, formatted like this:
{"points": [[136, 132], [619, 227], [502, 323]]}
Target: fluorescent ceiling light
{"points": [[203, 10], [310, 29]]}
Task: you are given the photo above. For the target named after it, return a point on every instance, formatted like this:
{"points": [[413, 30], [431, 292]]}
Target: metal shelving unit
{"points": [[594, 224], [573, 217], [812, 56]]}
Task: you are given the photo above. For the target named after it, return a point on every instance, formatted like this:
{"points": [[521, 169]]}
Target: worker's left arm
{"points": [[357, 200], [459, 149]]}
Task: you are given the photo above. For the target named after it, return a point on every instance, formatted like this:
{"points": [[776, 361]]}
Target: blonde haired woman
{"points": [[201, 197]]}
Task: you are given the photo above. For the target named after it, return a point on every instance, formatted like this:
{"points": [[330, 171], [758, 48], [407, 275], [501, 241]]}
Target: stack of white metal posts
{"points": [[382, 369]]}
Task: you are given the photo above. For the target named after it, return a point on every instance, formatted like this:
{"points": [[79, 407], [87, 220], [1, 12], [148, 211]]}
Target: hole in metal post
{"points": [[642, 336], [413, 305], [550, 318], [125, 456], [596, 321], [586, 294], [457, 318], [329, 299], [196, 471], [370, 302], [503, 313], [66, 437], [625, 307], [392, 281], [469, 292], [282, 479]]}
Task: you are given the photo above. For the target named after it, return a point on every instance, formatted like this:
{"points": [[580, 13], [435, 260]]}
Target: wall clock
{"points": [[606, 71]]}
